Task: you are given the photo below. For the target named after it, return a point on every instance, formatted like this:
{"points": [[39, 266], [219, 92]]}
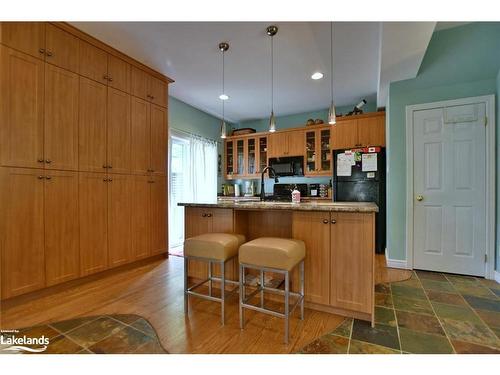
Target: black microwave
{"points": [[288, 166]]}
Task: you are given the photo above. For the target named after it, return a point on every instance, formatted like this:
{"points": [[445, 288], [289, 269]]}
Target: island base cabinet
{"points": [[339, 259], [209, 220], [158, 215]]}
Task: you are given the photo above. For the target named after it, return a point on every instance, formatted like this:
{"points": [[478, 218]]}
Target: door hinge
{"points": [[485, 258], [485, 120]]}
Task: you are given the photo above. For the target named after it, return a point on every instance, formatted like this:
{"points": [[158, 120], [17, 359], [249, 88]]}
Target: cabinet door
{"points": [[140, 113], [344, 134], [27, 37], [196, 222], [371, 131], [157, 91], [118, 128], [21, 224], [62, 255], [262, 154], [229, 158], [93, 62], [295, 143], [222, 222], [158, 215], [352, 261], [21, 109], [159, 139], [324, 151], [314, 229], [141, 217], [311, 152], [278, 143], [251, 157], [92, 205], [139, 83], [118, 73], [61, 48], [240, 157], [61, 118], [119, 236], [92, 126]]}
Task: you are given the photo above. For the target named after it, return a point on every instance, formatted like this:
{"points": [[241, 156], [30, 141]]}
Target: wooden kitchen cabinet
{"points": [[208, 220], [314, 229], [22, 230], [61, 48], [140, 114], [318, 158], [140, 200], [340, 251], [159, 242], [62, 249], [93, 215], [119, 220], [148, 87], [21, 109], [26, 37], [61, 119], [118, 74], [359, 131], [92, 126], [245, 156], [286, 143], [159, 140], [93, 62], [118, 131]]}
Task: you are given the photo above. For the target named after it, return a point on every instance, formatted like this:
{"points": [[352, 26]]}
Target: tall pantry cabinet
{"points": [[83, 147]]}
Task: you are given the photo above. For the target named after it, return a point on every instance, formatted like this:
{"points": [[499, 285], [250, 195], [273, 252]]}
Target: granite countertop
{"points": [[251, 204]]}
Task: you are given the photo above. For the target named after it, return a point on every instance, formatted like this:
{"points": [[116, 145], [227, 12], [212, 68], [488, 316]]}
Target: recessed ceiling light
{"points": [[317, 75], [223, 97]]}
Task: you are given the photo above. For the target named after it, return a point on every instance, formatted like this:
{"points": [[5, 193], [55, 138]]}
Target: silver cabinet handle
{"points": [[105, 179], [40, 177], [40, 160], [110, 79], [110, 179], [48, 178], [41, 51], [209, 215], [203, 215], [325, 221], [334, 221], [49, 54], [48, 161]]}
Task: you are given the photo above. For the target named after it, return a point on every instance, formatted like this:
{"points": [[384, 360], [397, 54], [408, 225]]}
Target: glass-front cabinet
{"points": [[318, 152], [245, 156]]}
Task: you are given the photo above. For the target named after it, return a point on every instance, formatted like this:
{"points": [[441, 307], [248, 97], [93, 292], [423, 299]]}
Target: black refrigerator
{"points": [[359, 176]]}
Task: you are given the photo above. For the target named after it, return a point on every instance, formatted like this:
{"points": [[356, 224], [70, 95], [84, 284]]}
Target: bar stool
{"points": [[212, 248], [269, 254]]}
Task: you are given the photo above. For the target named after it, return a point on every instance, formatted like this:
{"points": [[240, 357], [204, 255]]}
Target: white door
{"points": [[449, 156]]}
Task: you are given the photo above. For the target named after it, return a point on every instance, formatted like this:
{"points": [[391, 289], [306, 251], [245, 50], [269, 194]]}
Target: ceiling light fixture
{"points": [[317, 75], [271, 31], [223, 47], [332, 118]]}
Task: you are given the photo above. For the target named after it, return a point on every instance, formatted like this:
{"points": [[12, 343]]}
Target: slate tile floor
{"points": [[113, 334], [429, 313]]}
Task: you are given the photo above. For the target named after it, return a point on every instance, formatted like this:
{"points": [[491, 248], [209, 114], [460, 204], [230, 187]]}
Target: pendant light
{"points": [[223, 47], [332, 119], [271, 31]]}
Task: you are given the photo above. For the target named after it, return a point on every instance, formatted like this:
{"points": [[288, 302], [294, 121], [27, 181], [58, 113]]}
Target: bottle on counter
{"points": [[295, 195], [330, 190]]}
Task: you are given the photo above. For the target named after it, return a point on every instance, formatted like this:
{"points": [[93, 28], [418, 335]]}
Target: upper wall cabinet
{"points": [[362, 131], [21, 109], [43, 41], [149, 88], [286, 143]]}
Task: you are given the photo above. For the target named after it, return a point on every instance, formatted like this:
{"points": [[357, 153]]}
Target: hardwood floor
{"points": [[154, 291]]}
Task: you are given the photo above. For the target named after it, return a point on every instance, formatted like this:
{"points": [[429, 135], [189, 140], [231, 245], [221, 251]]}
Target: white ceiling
{"points": [[187, 52]]}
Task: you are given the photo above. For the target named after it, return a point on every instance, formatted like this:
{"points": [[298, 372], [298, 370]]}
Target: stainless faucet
{"points": [[276, 180]]}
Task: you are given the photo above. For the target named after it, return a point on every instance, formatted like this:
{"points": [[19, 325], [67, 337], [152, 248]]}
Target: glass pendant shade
{"points": [[272, 123], [332, 118], [223, 129]]}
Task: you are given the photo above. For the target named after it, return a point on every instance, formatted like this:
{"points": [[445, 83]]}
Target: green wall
{"points": [[496, 175], [299, 119], [459, 62]]}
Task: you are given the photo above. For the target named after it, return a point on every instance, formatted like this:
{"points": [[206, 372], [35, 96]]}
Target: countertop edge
{"points": [[367, 207]]}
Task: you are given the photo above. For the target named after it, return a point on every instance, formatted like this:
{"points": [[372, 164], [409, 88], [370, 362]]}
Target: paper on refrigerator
{"points": [[344, 165], [369, 162]]}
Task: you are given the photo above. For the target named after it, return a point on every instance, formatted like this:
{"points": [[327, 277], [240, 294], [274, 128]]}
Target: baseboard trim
{"points": [[396, 263], [497, 276]]}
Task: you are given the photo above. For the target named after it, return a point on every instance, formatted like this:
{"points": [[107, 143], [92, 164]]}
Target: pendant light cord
{"points": [[223, 84], [331, 60], [272, 74]]}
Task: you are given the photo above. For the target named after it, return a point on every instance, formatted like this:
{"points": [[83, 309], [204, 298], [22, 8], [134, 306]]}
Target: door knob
{"points": [[420, 198]]}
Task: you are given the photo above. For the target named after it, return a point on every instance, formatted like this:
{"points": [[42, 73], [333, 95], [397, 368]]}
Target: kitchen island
{"points": [[339, 239]]}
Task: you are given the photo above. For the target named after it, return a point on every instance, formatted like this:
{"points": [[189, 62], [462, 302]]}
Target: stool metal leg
{"points": [[223, 290], [210, 278], [302, 290], [242, 296], [186, 297], [287, 302], [262, 288]]}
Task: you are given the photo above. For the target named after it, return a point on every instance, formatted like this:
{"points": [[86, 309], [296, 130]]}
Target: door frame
{"points": [[489, 101]]}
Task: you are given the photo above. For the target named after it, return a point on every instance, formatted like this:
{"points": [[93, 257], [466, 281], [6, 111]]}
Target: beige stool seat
{"points": [[271, 252], [217, 246]]}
